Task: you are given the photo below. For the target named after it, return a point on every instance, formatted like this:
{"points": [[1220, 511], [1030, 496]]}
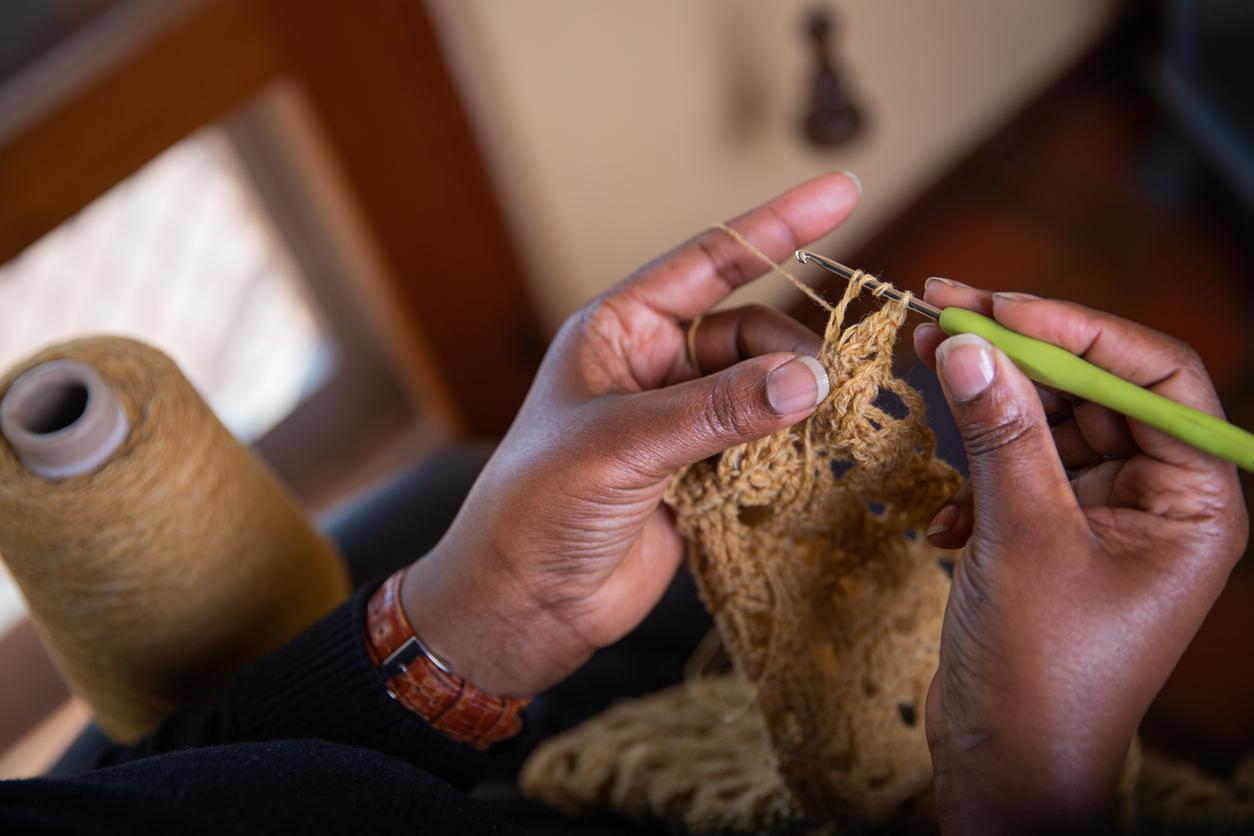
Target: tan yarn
{"points": [[1173, 797], [153, 580], [831, 606], [698, 757], [669, 757], [806, 548]]}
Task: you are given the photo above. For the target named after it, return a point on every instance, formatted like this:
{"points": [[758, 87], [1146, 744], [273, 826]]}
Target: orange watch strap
{"points": [[422, 682]]}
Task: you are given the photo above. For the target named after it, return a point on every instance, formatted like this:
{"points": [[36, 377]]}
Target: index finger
{"points": [[693, 277], [1134, 352]]}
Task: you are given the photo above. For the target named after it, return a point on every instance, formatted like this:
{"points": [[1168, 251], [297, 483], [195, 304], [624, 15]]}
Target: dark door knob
{"points": [[832, 117]]}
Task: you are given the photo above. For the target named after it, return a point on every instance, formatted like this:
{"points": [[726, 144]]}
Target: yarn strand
{"points": [[797, 283]]}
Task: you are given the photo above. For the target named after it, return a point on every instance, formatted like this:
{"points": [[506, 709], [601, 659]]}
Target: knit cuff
{"points": [[322, 685]]}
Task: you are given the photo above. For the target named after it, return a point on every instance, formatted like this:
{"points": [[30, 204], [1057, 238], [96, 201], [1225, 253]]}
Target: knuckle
{"points": [[723, 264], [596, 317], [1001, 433], [602, 324], [725, 413], [580, 323], [1186, 358]]}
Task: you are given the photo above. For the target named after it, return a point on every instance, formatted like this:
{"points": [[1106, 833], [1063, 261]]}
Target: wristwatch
{"points": [[423, 682]]}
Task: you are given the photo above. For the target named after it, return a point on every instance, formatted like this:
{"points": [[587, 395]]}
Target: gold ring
{"points": [[692, 346]]}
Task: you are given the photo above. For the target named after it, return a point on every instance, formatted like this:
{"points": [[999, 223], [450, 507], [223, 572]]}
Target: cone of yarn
{"points": [[158, 556]]}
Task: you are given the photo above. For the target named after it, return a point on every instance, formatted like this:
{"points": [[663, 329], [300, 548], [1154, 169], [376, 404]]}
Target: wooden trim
{"points": [[384, 95], [378, 83], [303, 190], [23, 659], [57, 158], [385, 382]]}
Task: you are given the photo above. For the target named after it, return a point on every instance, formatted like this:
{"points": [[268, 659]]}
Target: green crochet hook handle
{"points": [[1059, 368]]}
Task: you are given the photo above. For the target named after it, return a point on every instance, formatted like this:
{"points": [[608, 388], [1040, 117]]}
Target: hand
{"points": [[563, 546], [1093, 547]]}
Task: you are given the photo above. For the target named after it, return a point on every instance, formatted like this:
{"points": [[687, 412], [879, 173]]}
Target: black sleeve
{"points": [[306, 787], [320, 686]]}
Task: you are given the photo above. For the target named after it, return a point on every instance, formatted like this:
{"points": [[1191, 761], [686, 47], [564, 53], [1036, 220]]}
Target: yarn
{"points": [[779, 270], [669, 758], [806, 548], [157, 577], [1176, 798], [808, 553]]}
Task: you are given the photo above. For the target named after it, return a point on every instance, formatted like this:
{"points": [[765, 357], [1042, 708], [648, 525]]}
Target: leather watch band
{"points": [[423, 683]]}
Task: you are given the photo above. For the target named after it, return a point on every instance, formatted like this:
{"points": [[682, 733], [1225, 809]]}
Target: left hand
{"points": [[563, 545], [1093, 548]]}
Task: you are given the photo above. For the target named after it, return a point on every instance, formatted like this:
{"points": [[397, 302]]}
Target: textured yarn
{"points": [[1174, 798], [155, 579], [808, 551]]}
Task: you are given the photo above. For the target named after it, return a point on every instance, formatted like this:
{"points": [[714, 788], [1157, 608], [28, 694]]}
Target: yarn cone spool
{"points": [[156, 554]]}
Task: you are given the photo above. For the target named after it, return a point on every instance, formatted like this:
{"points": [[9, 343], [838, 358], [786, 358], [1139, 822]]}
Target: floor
{"points": [[1091, 196]]}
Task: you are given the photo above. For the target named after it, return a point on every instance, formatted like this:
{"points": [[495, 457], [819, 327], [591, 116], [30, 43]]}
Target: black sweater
{"points": [[305, 741]]}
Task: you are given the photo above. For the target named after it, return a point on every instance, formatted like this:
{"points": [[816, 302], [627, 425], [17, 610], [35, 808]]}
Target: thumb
{"points": [[1016, 476], [667, 429]]}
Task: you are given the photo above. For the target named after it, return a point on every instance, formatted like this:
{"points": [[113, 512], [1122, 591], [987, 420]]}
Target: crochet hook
{"points": [[1053, 366]]}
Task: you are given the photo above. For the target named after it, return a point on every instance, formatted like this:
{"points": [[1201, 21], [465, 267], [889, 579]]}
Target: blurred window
{"points": [[179, 256]]}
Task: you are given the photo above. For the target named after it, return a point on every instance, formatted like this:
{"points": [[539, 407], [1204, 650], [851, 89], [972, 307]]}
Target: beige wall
{"points": [[616, 128]]}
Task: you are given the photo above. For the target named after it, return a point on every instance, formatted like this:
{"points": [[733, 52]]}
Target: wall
{"points": [[616, 128]]}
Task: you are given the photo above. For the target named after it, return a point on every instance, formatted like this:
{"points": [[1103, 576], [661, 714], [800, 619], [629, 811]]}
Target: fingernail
{"points": [[943, 521], [924, 329], [966, 364], [945, 282], [857, 181], [1012, 296], [797, 386]]}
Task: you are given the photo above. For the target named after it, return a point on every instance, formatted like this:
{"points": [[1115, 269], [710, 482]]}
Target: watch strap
{"points": [[422, 681]]}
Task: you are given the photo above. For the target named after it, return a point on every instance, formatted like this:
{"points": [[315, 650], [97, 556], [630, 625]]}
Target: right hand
{"points": [[1093, 548]]}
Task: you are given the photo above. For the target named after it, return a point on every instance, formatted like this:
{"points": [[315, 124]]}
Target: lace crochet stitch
{"points": [[807, 549]]}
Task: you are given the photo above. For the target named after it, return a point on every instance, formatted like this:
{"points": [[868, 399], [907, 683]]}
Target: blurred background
{"points": [[355, 226]]}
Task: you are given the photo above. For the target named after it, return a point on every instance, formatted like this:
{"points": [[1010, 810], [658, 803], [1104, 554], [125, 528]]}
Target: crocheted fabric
{"points": [[1173, 797], [807, 549]]}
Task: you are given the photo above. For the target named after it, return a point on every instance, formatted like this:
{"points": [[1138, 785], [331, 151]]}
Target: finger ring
{"points": [[692, 346]]}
